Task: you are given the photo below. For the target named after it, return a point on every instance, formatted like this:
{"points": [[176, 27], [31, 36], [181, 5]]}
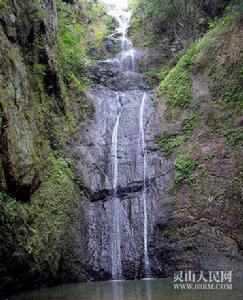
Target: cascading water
{"points": [[144, 193], [118, 156], [116, 238], [126, 60]]}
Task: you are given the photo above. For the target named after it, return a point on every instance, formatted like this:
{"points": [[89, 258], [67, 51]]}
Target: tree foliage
{"points": [[177, 19]]}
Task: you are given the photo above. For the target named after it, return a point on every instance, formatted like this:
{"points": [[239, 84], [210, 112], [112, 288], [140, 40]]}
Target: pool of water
{"points": [[152, 289]]}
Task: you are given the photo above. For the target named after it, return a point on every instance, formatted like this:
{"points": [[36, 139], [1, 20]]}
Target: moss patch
{"points": [[177, 85], [184, 167], [168, 144], [155, 75], [38, 228], [52, 205]]}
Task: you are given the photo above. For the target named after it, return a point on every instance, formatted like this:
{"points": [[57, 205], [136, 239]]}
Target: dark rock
{"points": [[94, 171]]}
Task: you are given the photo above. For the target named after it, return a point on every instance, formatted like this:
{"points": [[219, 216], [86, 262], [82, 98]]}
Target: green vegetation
{"points": [[40, 226], [71, 56], [177, 87], [42, 90], [171, 26], [203, 91], [155, 75], [4, 5], [233, 135], [172, 232], [168, 144], [110, 24], [208, 157], [51, 205], [79, 42], [234, 193], [9, 204], [188, 125], [177, 84], [184, 164], [225, 82]]}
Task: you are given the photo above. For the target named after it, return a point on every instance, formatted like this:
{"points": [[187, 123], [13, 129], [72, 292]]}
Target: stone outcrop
{"points": [[21, 139]]}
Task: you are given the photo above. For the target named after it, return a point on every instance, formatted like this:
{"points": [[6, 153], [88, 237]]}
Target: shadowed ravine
{"points": [[121, 168]]}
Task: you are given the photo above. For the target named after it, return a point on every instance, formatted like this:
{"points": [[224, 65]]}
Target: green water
{"points": [[154, 289]]}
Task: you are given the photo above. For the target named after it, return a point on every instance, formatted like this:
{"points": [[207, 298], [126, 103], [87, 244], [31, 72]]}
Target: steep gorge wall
{"points": [[200, 101], [41, 103]]}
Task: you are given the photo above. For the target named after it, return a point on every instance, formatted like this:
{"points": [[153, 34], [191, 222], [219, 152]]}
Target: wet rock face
{"points": [[119, 91], [95, 172], [199, 247], [108, 73]]}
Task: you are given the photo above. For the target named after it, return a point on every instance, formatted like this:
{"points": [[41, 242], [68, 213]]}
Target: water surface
{"points": [[154, 289]]}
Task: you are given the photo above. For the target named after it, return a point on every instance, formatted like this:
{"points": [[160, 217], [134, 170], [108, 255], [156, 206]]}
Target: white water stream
{"points": [[116, 236], [144, 194], [127, 63]]}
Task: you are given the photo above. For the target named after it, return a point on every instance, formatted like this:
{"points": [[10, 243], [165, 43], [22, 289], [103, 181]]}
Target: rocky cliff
{"points": [[200, 101], [45, 55]]}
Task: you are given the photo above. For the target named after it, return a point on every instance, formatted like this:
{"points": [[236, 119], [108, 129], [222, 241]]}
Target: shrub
{"points": [[184, 167], [4, 4], [110, 23], [39, 226], [188, 125], [168, 144], [178, 231], [9, 206]]}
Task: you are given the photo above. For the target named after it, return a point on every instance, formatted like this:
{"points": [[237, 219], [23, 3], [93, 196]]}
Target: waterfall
{"points": [[116, 236], [127, 180], [125, 61], [144, 193]]}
